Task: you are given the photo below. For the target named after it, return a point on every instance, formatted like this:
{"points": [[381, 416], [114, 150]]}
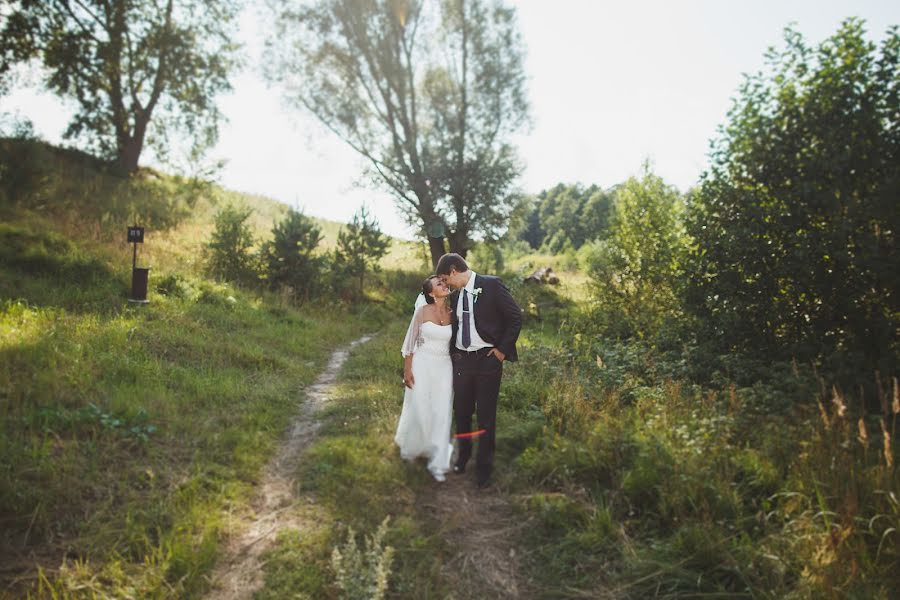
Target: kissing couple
{"points": [[453, 353]]}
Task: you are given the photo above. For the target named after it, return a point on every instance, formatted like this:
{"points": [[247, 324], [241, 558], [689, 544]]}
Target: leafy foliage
{"points": [[360, 247], [795, 222], [229, 248], [139, 70], [635, 270], [567, 215], [289, 257]]}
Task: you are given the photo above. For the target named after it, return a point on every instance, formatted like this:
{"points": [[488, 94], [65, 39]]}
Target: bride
{"points": [[424, 427]]}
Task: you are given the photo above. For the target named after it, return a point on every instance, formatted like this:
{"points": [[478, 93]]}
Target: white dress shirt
{"points": [[477, 342]]}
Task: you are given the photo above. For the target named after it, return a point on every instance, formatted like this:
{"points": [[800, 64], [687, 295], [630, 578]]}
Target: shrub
{"points": [[362, 573], [174, 285], [289, 258], [796, 221], [230, 258], [636, 269], [361, 244]]}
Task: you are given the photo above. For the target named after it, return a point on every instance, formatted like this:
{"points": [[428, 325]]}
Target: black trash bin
{"points": [[139, 279]]}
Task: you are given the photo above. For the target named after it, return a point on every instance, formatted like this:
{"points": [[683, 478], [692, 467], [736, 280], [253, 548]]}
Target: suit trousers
{"points": [[476, 385]]}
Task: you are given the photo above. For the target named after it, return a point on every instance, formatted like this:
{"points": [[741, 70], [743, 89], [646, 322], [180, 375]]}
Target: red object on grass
{"points": [[470, 434]]}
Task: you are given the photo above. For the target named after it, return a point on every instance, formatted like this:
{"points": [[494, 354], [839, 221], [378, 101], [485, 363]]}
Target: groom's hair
{"points": [[451, 261]]}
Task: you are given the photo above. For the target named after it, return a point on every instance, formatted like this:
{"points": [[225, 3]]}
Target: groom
{"points": [[486, 323]]}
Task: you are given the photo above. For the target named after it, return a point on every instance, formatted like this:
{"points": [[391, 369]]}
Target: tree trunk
{"points": [[128, 155], [436, 246], [130, 152], [458, 243]]}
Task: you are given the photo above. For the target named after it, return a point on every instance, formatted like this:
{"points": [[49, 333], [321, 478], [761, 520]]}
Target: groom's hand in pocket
{"points": [[497, 354]]}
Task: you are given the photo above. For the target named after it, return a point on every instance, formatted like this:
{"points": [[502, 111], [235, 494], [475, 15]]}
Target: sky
{"points": [[611, 84]]}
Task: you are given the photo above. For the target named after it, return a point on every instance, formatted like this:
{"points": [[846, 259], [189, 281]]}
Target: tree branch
{"points": [[82, 26], [159, 80], [91, 13]]}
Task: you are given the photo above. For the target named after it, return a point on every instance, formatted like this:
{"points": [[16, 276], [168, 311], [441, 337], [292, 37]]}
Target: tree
{"points": [[568, 212], [230, 258], [289, 256], [532, 232], [427, 91], [560, 218], [796, 219], [635, 270], [139, 70], [361, 244], [595, 213]]}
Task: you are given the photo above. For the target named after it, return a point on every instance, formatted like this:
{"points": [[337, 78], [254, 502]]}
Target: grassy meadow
{"points": [[129, 434], [131, 437]]}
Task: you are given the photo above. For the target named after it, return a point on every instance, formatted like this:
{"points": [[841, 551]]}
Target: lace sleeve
{"points": [[414, 333]]}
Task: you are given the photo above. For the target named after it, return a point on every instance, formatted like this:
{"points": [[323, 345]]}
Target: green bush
{"points": [[795, 222], [230, 257], [289, 258], [361, 245], [635, 270], [174, 285]]}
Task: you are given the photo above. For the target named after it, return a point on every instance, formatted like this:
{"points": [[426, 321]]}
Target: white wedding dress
{"points": [[424, 427]]}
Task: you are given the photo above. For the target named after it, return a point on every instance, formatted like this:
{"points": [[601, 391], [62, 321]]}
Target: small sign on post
{"points": [[136, 235], [139, 277]]}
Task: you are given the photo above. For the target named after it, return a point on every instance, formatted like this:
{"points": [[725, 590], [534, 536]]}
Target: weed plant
{"points": [[363, 572]]}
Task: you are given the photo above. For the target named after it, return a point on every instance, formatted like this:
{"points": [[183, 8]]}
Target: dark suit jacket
{"points": [[498, 319]]}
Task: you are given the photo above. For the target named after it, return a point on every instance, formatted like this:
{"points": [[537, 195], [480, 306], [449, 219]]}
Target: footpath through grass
{"points": [[353, 478]]}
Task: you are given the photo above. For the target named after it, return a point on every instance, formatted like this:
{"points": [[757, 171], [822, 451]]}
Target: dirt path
{"points": [[481, 528], [238, 573]]}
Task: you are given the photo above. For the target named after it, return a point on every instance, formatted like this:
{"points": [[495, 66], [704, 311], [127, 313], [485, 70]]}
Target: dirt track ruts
{"points": [[238, 573]]}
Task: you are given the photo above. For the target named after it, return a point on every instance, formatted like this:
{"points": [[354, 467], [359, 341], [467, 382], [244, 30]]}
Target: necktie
{"points": [[466, 327]]}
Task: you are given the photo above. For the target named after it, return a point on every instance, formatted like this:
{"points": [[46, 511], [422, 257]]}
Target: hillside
{"points": [[69, 191]]}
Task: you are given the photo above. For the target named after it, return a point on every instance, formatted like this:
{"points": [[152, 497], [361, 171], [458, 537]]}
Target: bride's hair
{"points": [[427, 286]]}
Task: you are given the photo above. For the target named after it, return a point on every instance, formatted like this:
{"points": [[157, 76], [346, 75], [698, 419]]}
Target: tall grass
{"points": [[663, 489]]}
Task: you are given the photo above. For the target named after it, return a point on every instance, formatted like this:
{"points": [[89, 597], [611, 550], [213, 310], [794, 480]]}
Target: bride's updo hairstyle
{"points": [[427, 286]]}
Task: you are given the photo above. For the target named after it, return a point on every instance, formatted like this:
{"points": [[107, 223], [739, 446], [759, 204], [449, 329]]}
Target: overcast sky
{"points": [[611, 84]]}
